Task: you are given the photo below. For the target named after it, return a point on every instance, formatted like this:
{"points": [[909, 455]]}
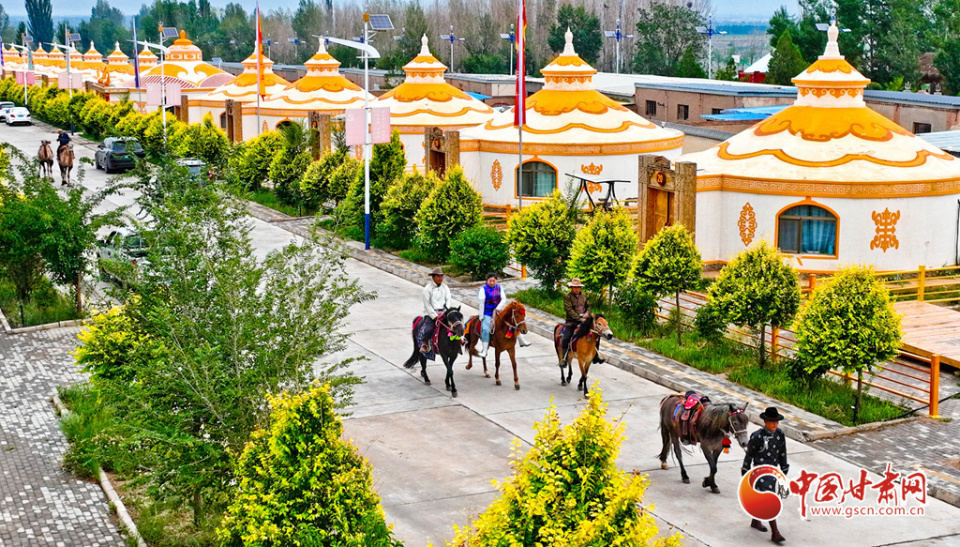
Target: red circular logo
{"points": [[763, 505]]}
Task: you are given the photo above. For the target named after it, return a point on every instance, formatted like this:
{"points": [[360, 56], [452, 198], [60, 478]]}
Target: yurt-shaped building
{"points": [[570, 127], [91, 64], [118, 66], [184, 65], [426, 100], [830, 182], [323, 89], [244, 89]]}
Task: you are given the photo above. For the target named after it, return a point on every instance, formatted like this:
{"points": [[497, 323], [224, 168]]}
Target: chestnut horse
{"points": [[45, 155], [716, 423], [507, 324], [584, 344]]}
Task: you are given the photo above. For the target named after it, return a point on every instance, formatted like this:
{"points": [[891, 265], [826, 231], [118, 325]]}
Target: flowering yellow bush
{"points": [[567, 490]]}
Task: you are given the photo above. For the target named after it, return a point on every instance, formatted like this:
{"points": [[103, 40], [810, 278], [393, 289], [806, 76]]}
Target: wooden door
{"points": [[659, 210]]}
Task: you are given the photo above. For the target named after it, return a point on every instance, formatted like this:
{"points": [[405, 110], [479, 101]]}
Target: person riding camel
{"points": [[492, 300], [576, 308], [63, 138], [436, 298]]}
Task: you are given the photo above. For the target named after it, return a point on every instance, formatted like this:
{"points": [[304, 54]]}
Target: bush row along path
{"points": [[434, 457]]}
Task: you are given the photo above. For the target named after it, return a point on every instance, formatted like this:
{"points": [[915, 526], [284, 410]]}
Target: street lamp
{"points": [[296, 42], [398, 37], [269, 43], [29, 53], [371, 25], [513, 43], [710, 31], [453, 38], [618, 36]]}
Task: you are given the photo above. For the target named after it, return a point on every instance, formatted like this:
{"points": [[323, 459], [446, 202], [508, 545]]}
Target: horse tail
{"points": [[414, 357]]}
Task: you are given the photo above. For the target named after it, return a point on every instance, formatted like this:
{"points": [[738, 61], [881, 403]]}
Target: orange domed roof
{"points": [[322, 88], [828, 143]]}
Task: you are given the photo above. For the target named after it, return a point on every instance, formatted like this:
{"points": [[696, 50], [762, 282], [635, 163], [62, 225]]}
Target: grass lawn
{"points": [[46, 305], [825, 397], [268, 198], [97, 439]]}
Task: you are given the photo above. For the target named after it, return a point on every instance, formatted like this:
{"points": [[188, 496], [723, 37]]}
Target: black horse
{"points": [[717, 422], [451, 332]]}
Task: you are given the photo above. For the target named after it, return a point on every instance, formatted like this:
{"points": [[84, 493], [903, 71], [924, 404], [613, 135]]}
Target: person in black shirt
{"points": [[63, 138], [767, 446]]}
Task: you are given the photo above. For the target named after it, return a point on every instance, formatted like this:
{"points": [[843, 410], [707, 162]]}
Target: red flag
{"points": [[519, 111], [261, 88]]}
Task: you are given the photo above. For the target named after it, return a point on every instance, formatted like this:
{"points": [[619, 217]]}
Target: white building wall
{"points": [[926, 231]]}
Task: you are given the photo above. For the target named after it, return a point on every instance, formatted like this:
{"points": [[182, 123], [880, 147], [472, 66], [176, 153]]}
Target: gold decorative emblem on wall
{"points": [[358, 152], [886, 235], [592, 169], [496, 174], [747, 224]]}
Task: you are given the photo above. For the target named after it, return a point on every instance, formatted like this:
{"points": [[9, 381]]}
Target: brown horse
{"points": [[65, 160], [506, 326], [584, 344], [45, 155], [716, 423]]}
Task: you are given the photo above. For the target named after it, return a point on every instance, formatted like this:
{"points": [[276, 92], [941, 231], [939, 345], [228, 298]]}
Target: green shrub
{"points": [[289, 163], [343, 177], [638, 307], [153, 134], [480, 250], [541, 236], [453, 207], [710, 324], [386, 167], [300, 483], [669, 264], [203, 141], [603, 252], [112, 348], [252, 162], [315, 183], [400, 206], [568, 490]]}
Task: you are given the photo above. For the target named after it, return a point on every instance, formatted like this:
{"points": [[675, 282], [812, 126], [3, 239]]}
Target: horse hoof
{"points": [[498, 382], [426, 382], [453, 394], [686, 481], [469, 367], [663, 465], [447, 388], [562, 383], [714, 490], [486, 375], [516, 387]]}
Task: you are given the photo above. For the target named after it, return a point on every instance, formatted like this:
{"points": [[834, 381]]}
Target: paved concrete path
{"points": [[434, 457]]}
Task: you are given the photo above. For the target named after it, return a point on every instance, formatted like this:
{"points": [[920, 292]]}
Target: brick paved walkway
{"points": [[40, 503]]}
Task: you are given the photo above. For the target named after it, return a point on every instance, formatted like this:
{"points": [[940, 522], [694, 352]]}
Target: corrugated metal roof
{"points": [[724, 88], [697, 131], [948, 141], [925, 99], [745, 114], [478, 96]]}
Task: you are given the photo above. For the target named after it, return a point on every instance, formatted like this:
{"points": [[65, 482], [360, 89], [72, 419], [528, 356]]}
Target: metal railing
{"points": [[892, 376]]}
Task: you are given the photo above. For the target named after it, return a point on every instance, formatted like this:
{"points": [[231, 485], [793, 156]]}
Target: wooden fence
{"points": [[934, 285], [892, 377]]}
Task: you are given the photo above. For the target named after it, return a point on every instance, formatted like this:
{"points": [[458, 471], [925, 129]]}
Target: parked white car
{"points": [[18, 114], [4, 107]]}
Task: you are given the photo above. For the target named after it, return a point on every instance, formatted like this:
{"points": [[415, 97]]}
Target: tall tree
{"points": [[234, 37], [40, 20], [886, 37], [309, 20], [663, 35], [689, 66], [105, 27], [668, 265], [6, 31], [585, 26], [786, 63], [804, 32]]}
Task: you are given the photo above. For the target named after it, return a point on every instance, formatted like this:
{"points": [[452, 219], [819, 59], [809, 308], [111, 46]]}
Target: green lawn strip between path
{"points": [[824, 397], [47, 305]]}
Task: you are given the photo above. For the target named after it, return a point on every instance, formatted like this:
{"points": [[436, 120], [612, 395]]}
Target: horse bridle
{"points": [[451, 326], [733, 428], [513, 314]]}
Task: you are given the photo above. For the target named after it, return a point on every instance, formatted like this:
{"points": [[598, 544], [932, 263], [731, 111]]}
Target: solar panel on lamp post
{"points": [[513, 42], [709, 31], [452, 38], [617, 35]]}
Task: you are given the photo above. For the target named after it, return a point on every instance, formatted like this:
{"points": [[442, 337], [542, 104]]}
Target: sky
{"points": [[723, 9]]}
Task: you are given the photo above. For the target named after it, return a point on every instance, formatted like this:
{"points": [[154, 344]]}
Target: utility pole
{"points": [[709, 31]]}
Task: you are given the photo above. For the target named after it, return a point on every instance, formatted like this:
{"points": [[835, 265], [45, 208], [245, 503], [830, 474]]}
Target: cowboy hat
{"points": [[771, 415], [436, 271], [575, 282]]}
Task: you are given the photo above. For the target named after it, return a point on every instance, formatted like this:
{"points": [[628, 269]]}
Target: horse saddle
{"points": [[476, 325], [686, 414], [434, 345]]}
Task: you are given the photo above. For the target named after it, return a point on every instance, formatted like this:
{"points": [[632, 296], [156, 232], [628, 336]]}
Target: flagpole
{"points": [[136, 66], [521, 96], [259, 62]]}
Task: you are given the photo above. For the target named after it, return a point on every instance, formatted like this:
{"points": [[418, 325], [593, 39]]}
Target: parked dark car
{"points": [[121, 254], [118, 153]]}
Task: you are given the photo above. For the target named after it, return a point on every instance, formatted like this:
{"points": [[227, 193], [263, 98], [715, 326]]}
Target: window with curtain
{"points": [[807, 229], [539, 180]]}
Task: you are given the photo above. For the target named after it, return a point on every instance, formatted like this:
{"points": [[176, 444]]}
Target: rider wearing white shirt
{"points": [[436, 298]]}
